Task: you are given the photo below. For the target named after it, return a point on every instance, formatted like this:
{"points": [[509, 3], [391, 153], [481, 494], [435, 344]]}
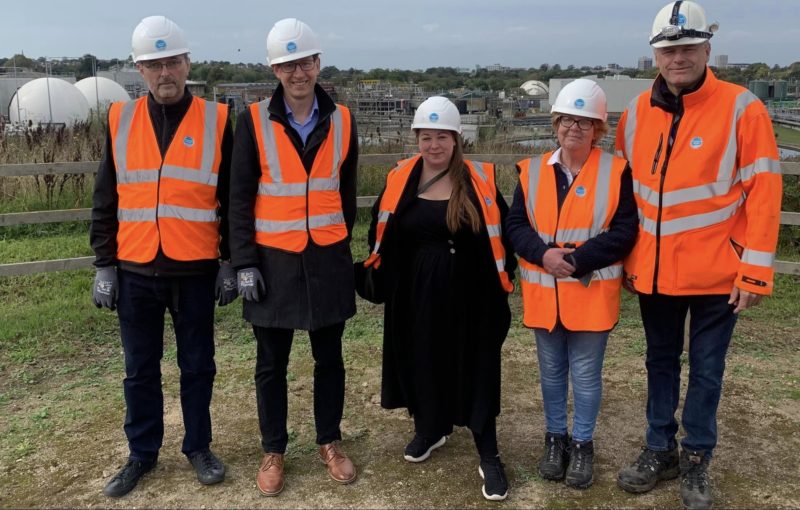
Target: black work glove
{"points": [[225, 291], [251, 284], [106, 288]]}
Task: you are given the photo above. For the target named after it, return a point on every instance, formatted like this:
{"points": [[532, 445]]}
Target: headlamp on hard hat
{"points": [[675, 32]]}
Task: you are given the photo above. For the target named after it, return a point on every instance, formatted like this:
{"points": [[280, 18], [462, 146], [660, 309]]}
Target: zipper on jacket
{"points": [[673, 131], [658, 154]]}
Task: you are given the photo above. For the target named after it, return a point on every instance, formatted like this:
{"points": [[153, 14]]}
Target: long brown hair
{"points": [[461, 210]]}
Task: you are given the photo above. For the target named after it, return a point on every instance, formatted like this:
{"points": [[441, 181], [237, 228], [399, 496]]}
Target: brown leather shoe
{"points": [[340, 468], [270, 475]]}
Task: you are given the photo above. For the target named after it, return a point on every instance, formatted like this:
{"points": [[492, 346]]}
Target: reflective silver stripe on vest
{"points": [[728, 162], [601, 194], [494, 230], [336, 125], [478, 166], [270, 146], [323, 184], [533, 188], [189, 175], [760, 166], [758, 258], [501, 264], [148, 214], [187, 213], [573, 235], [606, 273], [324, 220], [537, 277], [630, 128], [121, 142], [279, 227], [693, 222], [137, 176], [272, 189], [682, 196]]}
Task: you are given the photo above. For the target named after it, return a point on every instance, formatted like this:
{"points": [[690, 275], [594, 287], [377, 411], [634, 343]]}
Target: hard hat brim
{"points": [[579, 113], [431, 125], [684, 41], [294, 56], [161, 54]]}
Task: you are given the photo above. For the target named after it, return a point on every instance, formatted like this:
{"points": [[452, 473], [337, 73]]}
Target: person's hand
{"points": [[251, 284], [743, 299], [554, 263], [225, 291], [106, 288], [627, 284]]}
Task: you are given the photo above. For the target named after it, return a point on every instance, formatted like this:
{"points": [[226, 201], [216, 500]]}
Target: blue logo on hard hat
{"points": [[433, 117], [696, 142], [291, 47], [161, 45], [188, 141], [580, 191], [681, 19], [579, 103]]}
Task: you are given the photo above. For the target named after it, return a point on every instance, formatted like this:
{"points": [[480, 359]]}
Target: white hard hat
{"points": [[157, 37], [291, 39], [681, 22], [437, 112], [582, 97]]}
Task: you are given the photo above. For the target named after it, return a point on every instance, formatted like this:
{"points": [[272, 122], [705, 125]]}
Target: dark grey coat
{"points": [[307, 290]]}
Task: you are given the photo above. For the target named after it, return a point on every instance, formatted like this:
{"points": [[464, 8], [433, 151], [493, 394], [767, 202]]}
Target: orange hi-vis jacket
{"points": [[709, 200], [292, 204], [170, 201], [482, 176], [587, 211]]}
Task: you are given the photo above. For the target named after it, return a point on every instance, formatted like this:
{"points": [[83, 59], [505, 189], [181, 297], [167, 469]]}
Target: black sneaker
{"points": [[647, 470], [420, 447], [209, 468], [695, 486], [553, 464], [126, 478], [495, 483], [581, 464]]}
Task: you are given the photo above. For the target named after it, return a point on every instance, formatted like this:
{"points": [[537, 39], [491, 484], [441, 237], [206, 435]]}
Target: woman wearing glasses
{"points": [[572, 221]]}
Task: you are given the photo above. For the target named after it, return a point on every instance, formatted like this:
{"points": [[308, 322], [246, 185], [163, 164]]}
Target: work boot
{"points": [[126, 478], [553, 463], [209, 468], [581, 464], [647, 470], [270, 478], [695, 486], [420, 447], [340, 467], [495, 482]]}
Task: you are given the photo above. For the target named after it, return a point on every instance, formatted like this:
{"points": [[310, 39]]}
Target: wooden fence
{"points": [[89, 167]]}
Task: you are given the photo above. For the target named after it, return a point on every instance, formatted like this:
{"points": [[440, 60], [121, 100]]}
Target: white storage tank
{"points": [[101, 92], [46, 101]]}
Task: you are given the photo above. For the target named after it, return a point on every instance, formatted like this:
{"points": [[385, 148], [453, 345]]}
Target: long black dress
{"points": [[446, 317]]}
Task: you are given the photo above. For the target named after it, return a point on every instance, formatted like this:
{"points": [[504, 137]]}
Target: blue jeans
{"points": [[710, 329], [141, 306], [579, 356]]}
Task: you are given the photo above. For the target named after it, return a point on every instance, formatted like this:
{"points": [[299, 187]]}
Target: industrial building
{"points": [[619, 89]]}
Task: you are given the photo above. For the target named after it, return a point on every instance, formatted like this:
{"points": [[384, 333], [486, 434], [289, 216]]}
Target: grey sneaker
{"points": [[580, 472], [695, 486], [553, 463], [647, 470]]}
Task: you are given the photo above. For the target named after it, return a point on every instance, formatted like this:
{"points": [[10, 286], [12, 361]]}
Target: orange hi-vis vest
{"points": [[709, 201], [170, 201], [587, 211], [482, 176], [291, 204]]}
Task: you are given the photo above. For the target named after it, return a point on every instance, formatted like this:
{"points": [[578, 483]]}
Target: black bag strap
{"points": [[424, 187]]}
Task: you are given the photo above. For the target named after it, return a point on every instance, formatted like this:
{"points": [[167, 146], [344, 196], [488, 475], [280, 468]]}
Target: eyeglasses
{"points": [[583, 124], [170, 65], [305, 65]]}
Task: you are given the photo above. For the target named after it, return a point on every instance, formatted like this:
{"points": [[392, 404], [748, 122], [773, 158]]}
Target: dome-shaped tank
{"points": [[535, 88], [48, 100], [101, 92]]}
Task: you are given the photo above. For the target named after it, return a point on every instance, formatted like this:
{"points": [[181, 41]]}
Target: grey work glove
{"points": [[225, 291], [251, 284], [106, 288]]}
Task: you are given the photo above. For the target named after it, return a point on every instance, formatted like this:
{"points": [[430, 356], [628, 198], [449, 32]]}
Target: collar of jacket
{"points": [[662, 97], [277, 110], [178, 109]]}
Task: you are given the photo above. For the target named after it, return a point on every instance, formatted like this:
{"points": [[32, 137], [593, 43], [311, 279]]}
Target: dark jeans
{"points": [[710, 329], [141, 306], [274, 345]]}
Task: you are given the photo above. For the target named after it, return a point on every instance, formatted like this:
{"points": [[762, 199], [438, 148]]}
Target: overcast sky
{"points": [[404, 34]]}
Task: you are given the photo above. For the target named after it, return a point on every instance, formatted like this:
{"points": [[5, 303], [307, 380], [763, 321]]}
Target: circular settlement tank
{"points": [[101, 92], [48, 100]]}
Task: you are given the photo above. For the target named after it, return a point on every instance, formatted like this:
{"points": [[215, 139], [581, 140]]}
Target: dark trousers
{"points": [[274, 345], [141, 306], [710, 329]]}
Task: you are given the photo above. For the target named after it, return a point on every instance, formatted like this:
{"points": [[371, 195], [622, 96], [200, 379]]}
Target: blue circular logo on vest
{"points": [[291, 47], [188, 141], [681, 19], [161, 45], [696, 142], [580, 191], [488, 201], [579, 103], [433, 117]]}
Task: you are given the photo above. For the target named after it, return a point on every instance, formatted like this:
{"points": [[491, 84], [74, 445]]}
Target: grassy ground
{"points": [[787, 136]]}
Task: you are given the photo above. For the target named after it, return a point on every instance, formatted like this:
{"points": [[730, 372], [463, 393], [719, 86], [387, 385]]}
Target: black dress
{"points": [[446, 318]]}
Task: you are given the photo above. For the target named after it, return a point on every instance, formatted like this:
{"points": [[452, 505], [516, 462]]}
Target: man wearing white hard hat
{"points": [[159, 233], [708, 188], [293, 206]]}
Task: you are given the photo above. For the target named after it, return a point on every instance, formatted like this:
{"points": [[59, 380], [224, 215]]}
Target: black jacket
{"points": [[307, 290], [104, 227]]}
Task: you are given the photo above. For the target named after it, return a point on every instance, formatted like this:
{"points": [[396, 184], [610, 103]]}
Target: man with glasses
{"points": [[708, 189], [293, 206], [159, 232]]}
